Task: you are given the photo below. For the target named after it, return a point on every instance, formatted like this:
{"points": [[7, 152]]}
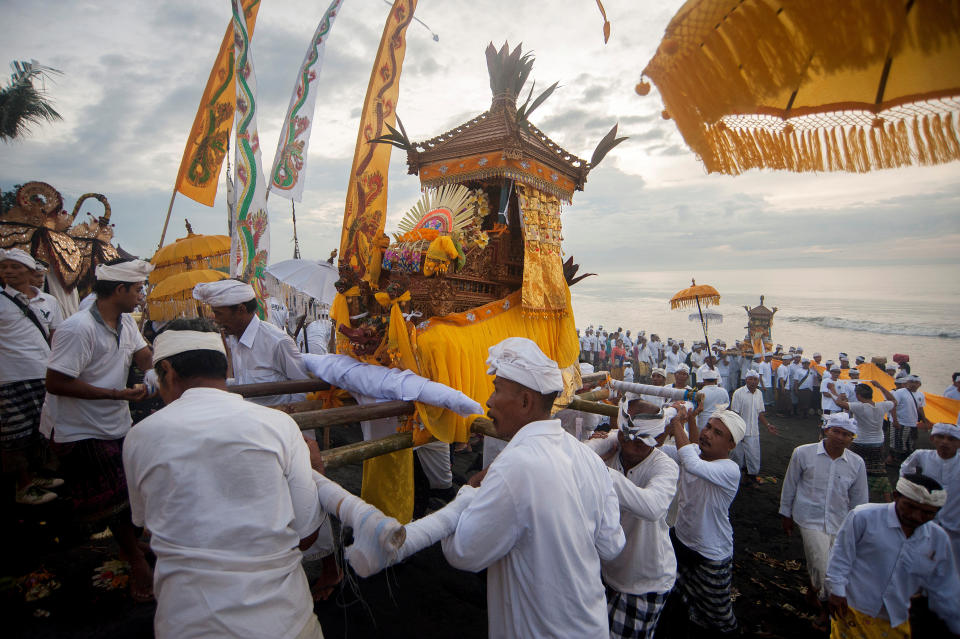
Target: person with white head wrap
{"points": [[803, 381], [87, 407], [953, 390], [525, 523], [259, 351], [942, 464], [645, 478], [703, 541], [885, 554], [784, 383], [869, 415], [823, 483], [829, 392], [747, 401], [711, 396], [907, 416], [177, 462], [28, 318]]}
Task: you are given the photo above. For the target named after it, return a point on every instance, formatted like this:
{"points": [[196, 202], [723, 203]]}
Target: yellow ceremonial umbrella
{"points": [[190, 252], [699, 295], [173, 297], [812, 85]]}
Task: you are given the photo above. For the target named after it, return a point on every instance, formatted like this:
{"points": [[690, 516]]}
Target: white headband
{"points": [[18, 255], [132, 271], [943, 428], [920, 494], [644, 428], [841, 420], [170, 343], [752, 373], [223, 293], [520, 360], [733, 422]]}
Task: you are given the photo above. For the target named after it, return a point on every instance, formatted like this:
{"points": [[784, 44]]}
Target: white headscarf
{"points": [[943, 428], [841, 420], [920, 494], [224, 292], [752, 373], [520, 360], [644, 427], [18, 255], [169, 343], [733, 422], [132, 271]]}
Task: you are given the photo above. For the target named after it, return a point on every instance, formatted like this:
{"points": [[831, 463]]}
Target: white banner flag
{"points": [[290, 162]]}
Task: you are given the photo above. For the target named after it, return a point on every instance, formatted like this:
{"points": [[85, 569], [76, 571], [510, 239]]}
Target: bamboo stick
{"points": [[358, 452], [593, 407], [279, 388], [351, 414]]}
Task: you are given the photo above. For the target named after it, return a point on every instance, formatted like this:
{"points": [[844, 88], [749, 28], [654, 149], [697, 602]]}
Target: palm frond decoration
{"points": [[22, 104], [397, 138], [609, 141], [445, 209]]}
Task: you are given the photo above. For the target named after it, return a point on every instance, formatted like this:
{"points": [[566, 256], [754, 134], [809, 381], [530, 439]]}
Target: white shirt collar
{"points": [[250, 333], [542, 427], [823, 451], [15, 293]]}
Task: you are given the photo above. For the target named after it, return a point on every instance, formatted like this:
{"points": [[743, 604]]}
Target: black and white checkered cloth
{"points": [[20, 406], [634, 616]]}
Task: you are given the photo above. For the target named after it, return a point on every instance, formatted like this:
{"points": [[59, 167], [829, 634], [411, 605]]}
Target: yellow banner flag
{"points": [[365, 213], [207, 144]]}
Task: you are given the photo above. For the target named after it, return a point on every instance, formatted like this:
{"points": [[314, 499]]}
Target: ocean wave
{"points": [[877, 327]]}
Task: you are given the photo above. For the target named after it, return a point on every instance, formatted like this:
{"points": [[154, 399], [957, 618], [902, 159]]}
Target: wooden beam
{"points": [[593, 407], [279, 388], [355, 453], [351, 414]]}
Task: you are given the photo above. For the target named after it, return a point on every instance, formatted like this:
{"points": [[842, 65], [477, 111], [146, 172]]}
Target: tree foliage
{"points": [[22, 103]]}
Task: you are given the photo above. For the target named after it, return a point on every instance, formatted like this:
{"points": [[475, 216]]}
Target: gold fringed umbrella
{"points": [[700, 296], [173, 297], [812, 85], [190, 252]]}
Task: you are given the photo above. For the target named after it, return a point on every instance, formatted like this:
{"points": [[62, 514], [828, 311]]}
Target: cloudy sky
{"points": [[133, 73]]}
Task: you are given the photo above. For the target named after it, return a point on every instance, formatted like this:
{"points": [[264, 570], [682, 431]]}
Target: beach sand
{"points": [[423, 597]]}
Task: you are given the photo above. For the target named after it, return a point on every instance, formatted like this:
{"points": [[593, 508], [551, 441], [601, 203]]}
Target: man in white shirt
{"points": [[86, 413], [943, 465], [671, 361], [784, 377], [277, 313], [657, 378], [710, 397], [886, 553], [25, 326], [824, 482], [591, 347], [315, 337], [747, 401], [227, 491], [953, 391], [869, 444], [828, 390], [697, 356], [259, 351], [647, 354], [545, 511], [703, 536], [656, 347], [907, 416], [640, 578], [709, 364], [48, 308], [761, 364], [803, 381]]}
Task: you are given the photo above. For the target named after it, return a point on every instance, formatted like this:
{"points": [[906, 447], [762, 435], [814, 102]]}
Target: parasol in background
{"points": [[173, 297], [700, 296], [191, 252], [709, 317], [306, 286], [812, 85]]}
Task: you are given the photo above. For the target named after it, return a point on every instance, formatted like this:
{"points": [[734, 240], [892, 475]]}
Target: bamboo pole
{"points": [[279, 388], [351, 414], [166, 221]]}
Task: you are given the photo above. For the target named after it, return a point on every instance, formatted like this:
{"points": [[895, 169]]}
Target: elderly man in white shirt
{"points": [[86, 413], [227, 491], [645, 478], [886, 553], [703, 535], [259, 351], [943, 465], [26, 324], [824, 482], [545, 511], [747, 401]]}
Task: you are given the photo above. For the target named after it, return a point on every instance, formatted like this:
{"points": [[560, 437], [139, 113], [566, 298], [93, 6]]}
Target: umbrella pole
{"points": [[166, 222], [703, 322]]}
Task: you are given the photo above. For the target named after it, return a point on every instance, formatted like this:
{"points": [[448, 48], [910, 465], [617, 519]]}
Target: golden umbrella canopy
{"points": [[173, 297], [699, 295], [812, 85], [190, 252]]}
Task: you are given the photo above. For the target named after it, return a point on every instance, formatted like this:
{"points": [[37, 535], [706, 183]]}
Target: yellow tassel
{"points": [[951, 136], [922, 155]]}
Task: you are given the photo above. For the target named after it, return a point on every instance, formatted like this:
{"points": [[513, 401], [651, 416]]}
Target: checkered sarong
{"points": [[704, 587], [634, 616], [20, 406], [903, 442]]}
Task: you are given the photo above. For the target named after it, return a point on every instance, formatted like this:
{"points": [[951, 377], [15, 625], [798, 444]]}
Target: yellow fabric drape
{"points": [[544, 288], [207, 144], [388, 484], [364, 215], [856, 625]]}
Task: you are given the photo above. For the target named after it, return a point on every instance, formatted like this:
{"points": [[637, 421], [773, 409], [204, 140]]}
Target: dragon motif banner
{"points": [[290, 162], [207, 145], [250, 239], [365, 213]]}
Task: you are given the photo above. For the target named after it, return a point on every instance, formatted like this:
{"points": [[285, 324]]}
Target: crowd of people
{"points": [[591, 533]]}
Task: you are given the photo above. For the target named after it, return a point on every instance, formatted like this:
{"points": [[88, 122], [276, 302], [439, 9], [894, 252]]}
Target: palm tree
{"points": [[21, 103]]}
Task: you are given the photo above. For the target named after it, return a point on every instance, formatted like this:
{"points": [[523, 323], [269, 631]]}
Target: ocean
{"points": [[869, 311]]}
